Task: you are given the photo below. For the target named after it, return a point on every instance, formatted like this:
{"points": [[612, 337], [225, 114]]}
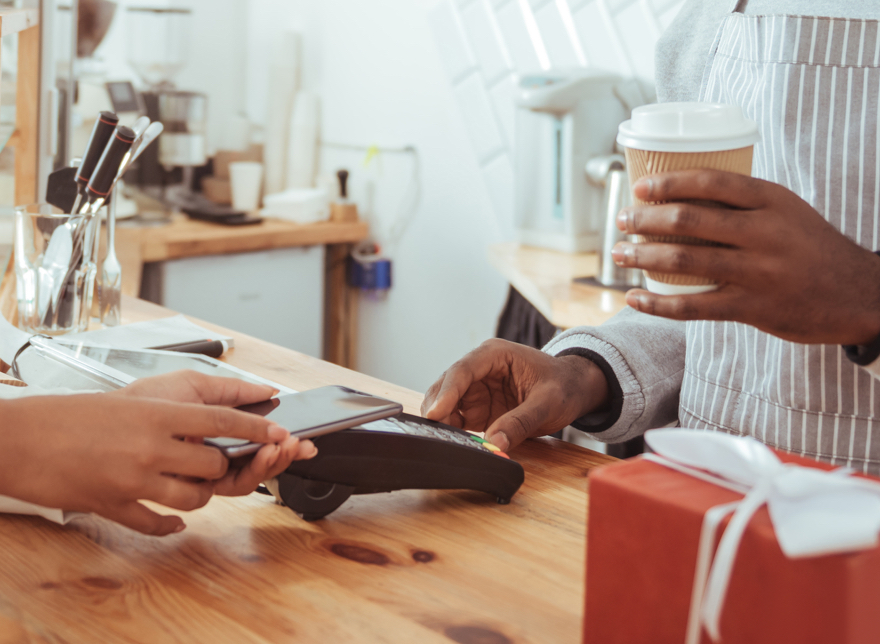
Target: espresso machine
{"points": [[564, 119], [157, 50]]}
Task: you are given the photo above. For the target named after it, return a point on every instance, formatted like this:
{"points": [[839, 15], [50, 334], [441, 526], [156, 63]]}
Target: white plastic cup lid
{"points": [[688, 127]]}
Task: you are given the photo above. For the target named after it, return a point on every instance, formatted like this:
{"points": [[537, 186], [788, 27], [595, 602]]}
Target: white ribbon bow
{"points": [[813, 512]]}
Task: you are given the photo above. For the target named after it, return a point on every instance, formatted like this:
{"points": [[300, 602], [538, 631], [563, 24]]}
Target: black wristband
{"points": [[601, 420], [863, 354]]}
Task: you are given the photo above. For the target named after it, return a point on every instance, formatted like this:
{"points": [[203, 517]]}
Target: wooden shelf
{"points": [[13, 21], [186, 238]]}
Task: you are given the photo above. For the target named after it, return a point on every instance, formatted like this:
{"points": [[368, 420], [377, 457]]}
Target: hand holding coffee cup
{"points": [[666, 137]]}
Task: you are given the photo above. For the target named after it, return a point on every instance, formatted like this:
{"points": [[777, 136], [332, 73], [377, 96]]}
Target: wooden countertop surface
{"points": [[410, 566], [545, 278], [183, 237]]}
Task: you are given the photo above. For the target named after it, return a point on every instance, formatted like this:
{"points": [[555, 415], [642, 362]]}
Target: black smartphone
{"points": [[312, 413]]}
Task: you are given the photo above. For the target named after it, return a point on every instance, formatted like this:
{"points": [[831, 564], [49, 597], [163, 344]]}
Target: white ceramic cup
{"points": [[247, 183]]}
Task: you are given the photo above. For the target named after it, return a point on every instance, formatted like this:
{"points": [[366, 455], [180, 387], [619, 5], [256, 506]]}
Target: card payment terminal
{"points": [[397, 453]]}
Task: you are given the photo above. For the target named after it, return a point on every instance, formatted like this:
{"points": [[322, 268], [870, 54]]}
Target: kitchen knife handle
{"points": [[104, 175], [342, 175], [103, 131]]}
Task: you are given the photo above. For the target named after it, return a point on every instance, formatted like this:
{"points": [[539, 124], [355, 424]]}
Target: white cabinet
{"points": [[275, 295]]}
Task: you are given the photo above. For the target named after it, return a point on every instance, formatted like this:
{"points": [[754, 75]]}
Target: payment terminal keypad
{"points": [[418, 427]]}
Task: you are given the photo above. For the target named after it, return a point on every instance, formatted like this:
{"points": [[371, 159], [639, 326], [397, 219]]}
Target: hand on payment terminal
{"points": [[366, 445]]}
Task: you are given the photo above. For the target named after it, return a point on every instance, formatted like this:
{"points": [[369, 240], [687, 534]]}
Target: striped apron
{"points": [[812, 85]]}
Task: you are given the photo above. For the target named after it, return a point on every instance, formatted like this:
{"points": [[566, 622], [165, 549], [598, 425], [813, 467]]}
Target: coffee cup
{"points": [[246, 179], [666, 137]]}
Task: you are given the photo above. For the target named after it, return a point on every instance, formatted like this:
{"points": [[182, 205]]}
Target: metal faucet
{"points": [[609, 172]]}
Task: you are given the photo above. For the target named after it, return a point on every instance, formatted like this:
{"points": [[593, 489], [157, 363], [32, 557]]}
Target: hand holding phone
{"points": [[312, 413]]}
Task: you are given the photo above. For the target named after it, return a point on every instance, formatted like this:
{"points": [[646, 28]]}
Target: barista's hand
{"points": [[192, 387], [513, 392], [785, 271]]}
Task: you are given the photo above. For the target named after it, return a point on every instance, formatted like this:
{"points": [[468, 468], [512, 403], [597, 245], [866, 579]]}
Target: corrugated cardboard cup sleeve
{"points": [[641, 163]]}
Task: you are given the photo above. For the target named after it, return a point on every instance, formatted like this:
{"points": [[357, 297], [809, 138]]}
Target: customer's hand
{"points": [[198, 388], [513, 392], [784, 269], [105, 453], [243, 476]]}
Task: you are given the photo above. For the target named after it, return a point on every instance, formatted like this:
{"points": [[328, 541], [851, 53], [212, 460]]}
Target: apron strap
{"points": [[736, 6]]}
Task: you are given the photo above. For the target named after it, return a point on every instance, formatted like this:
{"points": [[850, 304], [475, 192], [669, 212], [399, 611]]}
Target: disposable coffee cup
{"points": [[246, 178], [666, 137]]}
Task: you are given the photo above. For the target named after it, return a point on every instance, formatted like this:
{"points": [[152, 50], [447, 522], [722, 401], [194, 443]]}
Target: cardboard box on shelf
{"points": [[217, 190], [224, 157]]}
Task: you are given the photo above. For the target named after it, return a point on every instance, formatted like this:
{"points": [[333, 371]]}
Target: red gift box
{"points": [[644, 527]]}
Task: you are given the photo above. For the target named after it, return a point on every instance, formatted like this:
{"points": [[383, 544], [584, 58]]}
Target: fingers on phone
{"points": [[302, 451], [268, 463], [291, 450], [196, 461], [244, 480], [181, 494], [213, 421], [231, 392]]}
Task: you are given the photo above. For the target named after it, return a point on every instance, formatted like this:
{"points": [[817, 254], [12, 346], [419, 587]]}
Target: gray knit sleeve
{"points": [[645, 355]]}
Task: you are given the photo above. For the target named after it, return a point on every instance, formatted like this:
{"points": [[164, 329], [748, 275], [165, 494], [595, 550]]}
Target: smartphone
{"points": [[312, 413]]}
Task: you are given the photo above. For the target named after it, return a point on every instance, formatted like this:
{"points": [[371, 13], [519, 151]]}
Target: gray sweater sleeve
{"points": [[643, 358]]}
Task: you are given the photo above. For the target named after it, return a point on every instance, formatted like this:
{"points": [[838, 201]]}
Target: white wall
{"points": [[485, 44], [438, 74], [381, 82]]}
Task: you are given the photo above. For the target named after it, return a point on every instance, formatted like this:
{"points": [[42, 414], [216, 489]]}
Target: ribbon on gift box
{"points": [[814, 512]]}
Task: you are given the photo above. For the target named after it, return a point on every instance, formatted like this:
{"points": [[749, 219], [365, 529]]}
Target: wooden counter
{"points": [[545, 278], [183, 237], [410, 566]]}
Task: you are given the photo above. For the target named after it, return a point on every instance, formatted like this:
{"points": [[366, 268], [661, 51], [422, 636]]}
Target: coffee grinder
{"points": [[158, 47]]}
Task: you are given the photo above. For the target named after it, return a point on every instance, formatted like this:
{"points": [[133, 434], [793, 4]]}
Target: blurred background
{"points": [[418, 100]]}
